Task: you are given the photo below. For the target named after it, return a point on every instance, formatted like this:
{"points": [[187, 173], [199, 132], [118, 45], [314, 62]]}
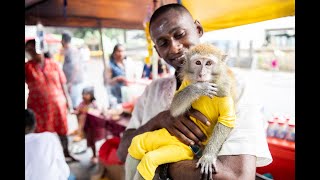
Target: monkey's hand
{"points": [[208, 164], [205, 89]]}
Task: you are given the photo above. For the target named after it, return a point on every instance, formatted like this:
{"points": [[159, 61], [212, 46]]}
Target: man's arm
{"points": [[230, 167], [179, 127]]}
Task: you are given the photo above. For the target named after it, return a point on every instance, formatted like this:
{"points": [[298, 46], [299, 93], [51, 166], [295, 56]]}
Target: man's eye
{"points": [[198, 63], [162, 43], [179, 35]]}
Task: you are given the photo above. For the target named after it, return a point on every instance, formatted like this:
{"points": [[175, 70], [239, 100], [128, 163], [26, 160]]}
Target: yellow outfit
{"points": [[160, 147]]}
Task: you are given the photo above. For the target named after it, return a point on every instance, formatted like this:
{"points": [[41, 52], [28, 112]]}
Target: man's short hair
{"points": [[165, 8], [66, 37], [30, 119]]}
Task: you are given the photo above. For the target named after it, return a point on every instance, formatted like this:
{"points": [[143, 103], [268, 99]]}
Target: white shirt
{"points": [[248, 136], [44, 157]]}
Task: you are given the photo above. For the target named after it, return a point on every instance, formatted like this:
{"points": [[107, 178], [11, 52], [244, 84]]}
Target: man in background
{"points": [[73, 69]]}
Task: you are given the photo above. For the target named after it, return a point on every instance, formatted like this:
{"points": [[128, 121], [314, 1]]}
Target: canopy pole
{"points": [[102, 47]]}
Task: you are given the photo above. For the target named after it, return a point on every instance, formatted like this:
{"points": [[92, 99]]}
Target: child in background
{"points": [[88, 101]]}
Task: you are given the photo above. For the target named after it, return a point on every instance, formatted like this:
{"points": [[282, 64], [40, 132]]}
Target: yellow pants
{"points": [[156, 148]]}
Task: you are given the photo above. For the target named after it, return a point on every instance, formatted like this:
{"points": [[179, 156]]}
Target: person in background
{"points": [[43, 153], [173, 31], [88, 101], [163, 69], [115, 75], [48, 95], [73, 69]]}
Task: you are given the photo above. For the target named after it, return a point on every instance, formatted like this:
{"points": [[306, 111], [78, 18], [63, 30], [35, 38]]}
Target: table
{"points": [[283, 154], [98, 126]]}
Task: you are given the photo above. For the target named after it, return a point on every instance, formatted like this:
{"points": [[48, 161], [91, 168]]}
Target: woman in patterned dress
{"points": [[48, 96]]}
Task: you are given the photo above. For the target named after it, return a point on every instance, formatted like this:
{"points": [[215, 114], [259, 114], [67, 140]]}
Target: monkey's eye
{"points": [[198, 63], [208, 63]]}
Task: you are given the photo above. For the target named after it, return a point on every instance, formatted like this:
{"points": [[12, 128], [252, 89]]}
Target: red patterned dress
{"points": [[46, 97]]}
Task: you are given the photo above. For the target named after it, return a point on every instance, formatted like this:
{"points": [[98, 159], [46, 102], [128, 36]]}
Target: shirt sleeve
{"points": [[227, 114]]}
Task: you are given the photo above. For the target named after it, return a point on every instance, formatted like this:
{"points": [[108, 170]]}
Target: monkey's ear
{"points": [[224, 57]]}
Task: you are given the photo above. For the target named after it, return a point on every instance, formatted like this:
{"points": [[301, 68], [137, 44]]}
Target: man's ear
{"points": [[199, 28]]}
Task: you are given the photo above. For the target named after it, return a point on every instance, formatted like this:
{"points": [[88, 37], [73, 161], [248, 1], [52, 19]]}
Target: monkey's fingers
{"points": [[214, 89], [202, 169], [213, 84], [206, 169], [210, 173], [204, 176], [214, 168], [198, 163]]}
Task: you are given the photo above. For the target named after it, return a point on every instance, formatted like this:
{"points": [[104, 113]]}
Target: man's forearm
{"points": [[236, 167]]}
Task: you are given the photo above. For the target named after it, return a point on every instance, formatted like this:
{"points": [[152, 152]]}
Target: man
{"points": [[73, 70], [173, 31], [44, 158]]}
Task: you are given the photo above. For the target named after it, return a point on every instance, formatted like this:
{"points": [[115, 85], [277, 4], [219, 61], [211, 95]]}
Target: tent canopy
{"points": [[220, 14], [125, 14], [130, 14]]}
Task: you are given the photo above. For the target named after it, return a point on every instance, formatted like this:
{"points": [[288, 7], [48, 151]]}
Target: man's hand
{"points": [[184, 128]]}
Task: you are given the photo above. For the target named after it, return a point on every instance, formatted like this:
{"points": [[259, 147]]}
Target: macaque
{"points": [[205, 70], [207, 85]]}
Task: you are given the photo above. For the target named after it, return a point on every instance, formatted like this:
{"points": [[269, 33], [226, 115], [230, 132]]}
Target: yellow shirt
{"points": [[217, 109]]}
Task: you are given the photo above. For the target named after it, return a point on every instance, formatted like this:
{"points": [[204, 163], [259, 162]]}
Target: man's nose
{"points": [[176, 47]]}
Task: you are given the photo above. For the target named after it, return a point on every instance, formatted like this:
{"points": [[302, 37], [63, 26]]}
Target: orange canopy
{"points": [[220, 14]]}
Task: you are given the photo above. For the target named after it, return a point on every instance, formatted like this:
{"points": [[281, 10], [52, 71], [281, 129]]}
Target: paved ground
{"points": [[274, 89]]}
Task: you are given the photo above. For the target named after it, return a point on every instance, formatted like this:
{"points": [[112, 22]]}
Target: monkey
{"points": [[205, 68], [203, 71]]}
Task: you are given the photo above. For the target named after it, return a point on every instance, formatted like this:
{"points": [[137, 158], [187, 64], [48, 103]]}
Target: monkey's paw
{"points": [[207, 89], [208, 164]]}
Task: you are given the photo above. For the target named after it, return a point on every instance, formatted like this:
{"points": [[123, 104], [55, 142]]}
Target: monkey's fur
{"points": [[213, 70]]}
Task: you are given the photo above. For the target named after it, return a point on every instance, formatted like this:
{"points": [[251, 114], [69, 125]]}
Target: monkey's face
{"points": [[202, 68]]}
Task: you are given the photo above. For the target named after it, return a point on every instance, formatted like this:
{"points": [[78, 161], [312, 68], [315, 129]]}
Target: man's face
{"points": [[173, 33]]}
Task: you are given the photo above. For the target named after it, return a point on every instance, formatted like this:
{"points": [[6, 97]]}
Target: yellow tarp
{"points": [[220, 14]]}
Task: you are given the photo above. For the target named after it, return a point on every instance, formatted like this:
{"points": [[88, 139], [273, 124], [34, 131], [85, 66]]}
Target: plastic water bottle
{"points": [[272, 128], [282, 128], [39, 38], [290, 136]]}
